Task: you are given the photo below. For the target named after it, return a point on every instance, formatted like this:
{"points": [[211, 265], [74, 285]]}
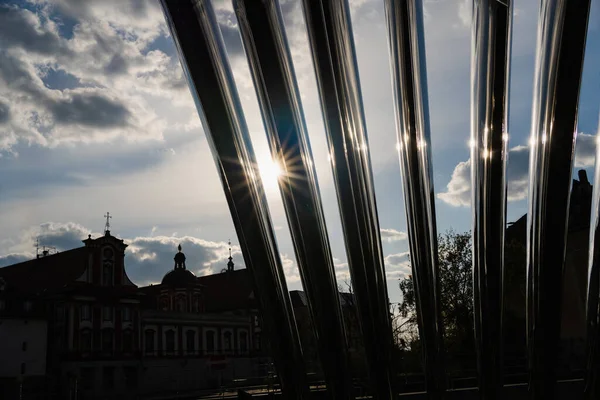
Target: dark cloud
{"points": [[4, 113], [11, 259], [61, 236], [14, 72], [91, 110], [117, 65], [17, 30]]}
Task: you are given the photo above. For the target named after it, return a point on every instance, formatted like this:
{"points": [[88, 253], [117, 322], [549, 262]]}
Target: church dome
{"points": [[179, 277]]}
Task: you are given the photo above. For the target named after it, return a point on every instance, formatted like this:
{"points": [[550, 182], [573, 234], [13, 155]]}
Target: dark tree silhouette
{"points": [[455, 264]]}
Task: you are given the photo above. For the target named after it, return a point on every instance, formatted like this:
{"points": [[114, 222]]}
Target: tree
{"points": [[456, 301]]}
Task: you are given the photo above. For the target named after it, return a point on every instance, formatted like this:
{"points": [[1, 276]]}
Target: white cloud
{"points": [[147, 258], [392, 235], [458, 190], [116, 88], [397, 266]]}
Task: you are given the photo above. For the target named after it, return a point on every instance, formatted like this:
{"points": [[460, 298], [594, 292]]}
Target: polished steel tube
{"points": [[592, 381], [332, 45], [261, 26], [409, 81], [194, 27], [490, 61], [562, 33]]}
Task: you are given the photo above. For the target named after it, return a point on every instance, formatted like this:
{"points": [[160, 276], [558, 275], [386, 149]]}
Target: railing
{"points": [[561, 44]]}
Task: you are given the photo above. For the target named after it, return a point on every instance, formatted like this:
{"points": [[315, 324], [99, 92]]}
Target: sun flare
{"points": [[270, 171]]}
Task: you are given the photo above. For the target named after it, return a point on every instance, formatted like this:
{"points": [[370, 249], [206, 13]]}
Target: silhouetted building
{"points": [[77, 327], [573, 325]]}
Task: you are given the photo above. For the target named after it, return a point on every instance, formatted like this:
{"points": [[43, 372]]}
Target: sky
{"points": [[96, 116]]}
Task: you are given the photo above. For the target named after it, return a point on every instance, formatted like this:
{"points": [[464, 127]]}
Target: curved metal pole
{"points": [[261, 26], [490, 64], [562, 32], [409, 80], [592, 384], [332, 45], [202, 53]]}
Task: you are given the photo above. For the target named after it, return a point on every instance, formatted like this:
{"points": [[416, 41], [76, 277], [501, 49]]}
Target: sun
{"points": [[270, 171]]}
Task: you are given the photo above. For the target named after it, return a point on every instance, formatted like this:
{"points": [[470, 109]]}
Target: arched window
{"points": [[107, 340], [108, 267], [164, 303], [243, 341], [85, 340], [190, 337], [181, 304], [149, 341], [170, 341], [127, 341], [227, 336], [210, 341], [196, 303]]}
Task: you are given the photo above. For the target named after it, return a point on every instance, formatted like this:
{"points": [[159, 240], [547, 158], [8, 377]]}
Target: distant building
{"points": [[573, 325], [23, 343], [75, 326]]}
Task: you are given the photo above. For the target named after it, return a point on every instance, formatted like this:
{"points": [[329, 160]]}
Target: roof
{"points": [[226, 291], [46, 273], [179, 277], [579, 211]]}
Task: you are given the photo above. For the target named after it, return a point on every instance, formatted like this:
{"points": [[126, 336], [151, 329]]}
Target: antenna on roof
{"points": [[37, 247]]}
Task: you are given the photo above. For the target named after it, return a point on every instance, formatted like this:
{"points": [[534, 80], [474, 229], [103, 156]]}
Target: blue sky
{"points": [[95, 116]]}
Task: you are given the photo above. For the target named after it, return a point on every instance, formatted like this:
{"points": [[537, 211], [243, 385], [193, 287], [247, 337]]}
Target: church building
{"points": [[88, 331]]}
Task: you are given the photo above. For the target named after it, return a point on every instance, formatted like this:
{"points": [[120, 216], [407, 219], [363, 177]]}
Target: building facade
{"points": [[76, 323]]}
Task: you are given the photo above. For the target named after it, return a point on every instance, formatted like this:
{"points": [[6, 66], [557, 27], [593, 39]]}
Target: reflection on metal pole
{"points": [[201, 50], [261, 26], [409, 81], [489, 151], [332, 45], [592, 384], [562, 32]]}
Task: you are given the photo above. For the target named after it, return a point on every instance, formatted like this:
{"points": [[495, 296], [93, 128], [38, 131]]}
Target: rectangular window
{"points": [[131, 378], [24, 346], [127, 314], [108, 377], [191, 341], [22, 368], [170, 341], [107, 314], [85, 340], [87, 378], [243, 342], [84, 312], [210, 341], [127, 341], [149, 341], [257, 341], [107, 340]]}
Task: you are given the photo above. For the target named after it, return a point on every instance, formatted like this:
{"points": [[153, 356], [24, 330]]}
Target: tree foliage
{"points": [[456, 300]]}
